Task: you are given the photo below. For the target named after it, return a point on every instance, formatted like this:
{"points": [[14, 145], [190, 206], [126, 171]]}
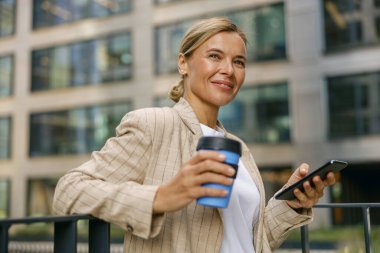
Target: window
{"points": [[74, 131], [7, 17], [6, 76], [354, 105], [91, 62], [259, 114], [274, 178], [350, 23], [264, 27], [163, 102], [40, 196], [159, 2], [4, 198], [55, 12], [5, 137]]}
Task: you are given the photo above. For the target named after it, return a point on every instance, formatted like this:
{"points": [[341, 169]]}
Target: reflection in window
{"points": [[4, 198], [350, 23], [259, 114], [40, 196], [83, 63], [75, 131], [55, 12], [7, 17], [354, 105], [5, 137], [264, 27], [274, 178], [6, 75]]}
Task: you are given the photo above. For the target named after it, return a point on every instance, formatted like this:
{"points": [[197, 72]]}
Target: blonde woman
{"points": [[146, 179]]}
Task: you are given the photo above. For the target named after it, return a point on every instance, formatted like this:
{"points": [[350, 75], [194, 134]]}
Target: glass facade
{"points": [[5, 137], [264, 27], [163, 102], [158, 2], [4, 198], [55, 12], [7, 17], [91, 62], [354, 105], [350, 23], [40, 196], [6, 76], [74, 131], [259, 114]]}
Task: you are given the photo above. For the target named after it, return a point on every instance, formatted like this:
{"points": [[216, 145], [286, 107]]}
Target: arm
{"points": [[109, 186], [282, 216]]}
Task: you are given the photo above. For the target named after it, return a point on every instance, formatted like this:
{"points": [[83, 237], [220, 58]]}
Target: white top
{"points": [[243, 209]]}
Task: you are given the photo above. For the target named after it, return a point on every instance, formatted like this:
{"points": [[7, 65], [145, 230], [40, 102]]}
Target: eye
{"points": [[214, 56], [240, 63]]}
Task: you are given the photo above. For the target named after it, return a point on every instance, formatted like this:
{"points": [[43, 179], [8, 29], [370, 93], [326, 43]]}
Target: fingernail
{"points": [[222, 156], [231, 171]]}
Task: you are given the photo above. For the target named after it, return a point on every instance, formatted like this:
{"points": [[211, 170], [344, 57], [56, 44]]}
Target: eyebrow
{"points": [[220, 51]]}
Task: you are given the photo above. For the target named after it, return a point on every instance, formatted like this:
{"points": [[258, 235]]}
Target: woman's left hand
{"points": [[312, 193]]}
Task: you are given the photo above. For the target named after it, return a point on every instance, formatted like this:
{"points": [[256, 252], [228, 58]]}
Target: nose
{"points": [[227, 67]]}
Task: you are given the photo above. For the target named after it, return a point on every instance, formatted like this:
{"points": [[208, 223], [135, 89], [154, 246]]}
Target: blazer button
{"points": [[129, 228]]}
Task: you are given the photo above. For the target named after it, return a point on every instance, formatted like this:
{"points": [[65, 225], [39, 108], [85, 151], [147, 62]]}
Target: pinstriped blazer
{"points": [[119, 183]]}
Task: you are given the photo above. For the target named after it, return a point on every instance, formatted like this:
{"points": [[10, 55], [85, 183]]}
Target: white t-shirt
{"points": [[243, 209]]}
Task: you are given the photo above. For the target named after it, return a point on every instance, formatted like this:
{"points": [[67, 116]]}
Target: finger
{"points": [[330, 179], [202, 155], [215, 167], [203, 191], [304, 200], [309, 190], [300, 173], [212, 178], [319, 185]]}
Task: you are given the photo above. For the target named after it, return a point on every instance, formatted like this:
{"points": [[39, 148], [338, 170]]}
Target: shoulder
{"points": [[150, 118]]}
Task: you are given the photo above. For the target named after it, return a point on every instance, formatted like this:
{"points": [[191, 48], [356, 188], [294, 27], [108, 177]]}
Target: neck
{"points": [[207, 114]]}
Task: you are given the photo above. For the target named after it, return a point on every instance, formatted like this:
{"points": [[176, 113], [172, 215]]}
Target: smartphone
{"points": [[333, 165]]}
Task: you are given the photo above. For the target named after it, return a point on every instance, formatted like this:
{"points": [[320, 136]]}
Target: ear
{"points": [[182, 64]]}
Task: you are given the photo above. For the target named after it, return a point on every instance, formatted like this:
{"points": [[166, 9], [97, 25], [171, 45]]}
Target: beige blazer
{"points": [[120, 181]]}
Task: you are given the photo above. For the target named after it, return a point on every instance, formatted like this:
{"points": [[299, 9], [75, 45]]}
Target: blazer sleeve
{"points": [[280, 219], [110, 185]]}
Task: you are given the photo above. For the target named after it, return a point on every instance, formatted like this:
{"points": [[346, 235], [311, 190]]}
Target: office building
{"points": [[69, 70]]}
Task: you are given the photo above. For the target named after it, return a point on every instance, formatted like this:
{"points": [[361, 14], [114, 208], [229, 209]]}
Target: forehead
{"points": [[225, 41]]}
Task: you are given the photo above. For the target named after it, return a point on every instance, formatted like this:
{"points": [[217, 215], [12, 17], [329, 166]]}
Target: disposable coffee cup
{"points": [[232, 150]]}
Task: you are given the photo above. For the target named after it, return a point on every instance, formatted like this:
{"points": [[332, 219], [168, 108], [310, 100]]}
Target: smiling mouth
{"points": [[224, 85]]}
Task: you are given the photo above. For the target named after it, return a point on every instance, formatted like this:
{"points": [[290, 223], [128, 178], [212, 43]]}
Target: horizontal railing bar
{"points": [[28, 220], [347, 205]]}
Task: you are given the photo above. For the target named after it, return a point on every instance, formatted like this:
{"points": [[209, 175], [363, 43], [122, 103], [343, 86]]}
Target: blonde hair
{"points": [[196, 36]]}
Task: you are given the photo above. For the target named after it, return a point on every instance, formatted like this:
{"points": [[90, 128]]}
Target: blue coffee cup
{"points": [[232, 150]]}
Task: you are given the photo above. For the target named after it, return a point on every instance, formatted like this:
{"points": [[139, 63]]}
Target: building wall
{"points": [[305, 70]]}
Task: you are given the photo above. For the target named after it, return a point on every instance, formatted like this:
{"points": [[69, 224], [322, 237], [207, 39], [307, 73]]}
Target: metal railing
{"points": [[366, 223], [65, 232]]}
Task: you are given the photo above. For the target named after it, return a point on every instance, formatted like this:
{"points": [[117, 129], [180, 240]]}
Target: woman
{"points": [[147, 178]]}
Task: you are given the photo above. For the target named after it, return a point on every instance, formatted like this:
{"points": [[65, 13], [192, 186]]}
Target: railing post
{"points": [[367, 229], [4, 237], [305, 239], [99, 236], [65, 237]]}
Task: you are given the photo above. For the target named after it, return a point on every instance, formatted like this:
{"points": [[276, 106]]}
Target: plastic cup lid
{"points": [[219, 143]]}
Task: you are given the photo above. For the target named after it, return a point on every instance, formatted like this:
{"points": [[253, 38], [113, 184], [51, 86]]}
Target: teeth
{"points": [[225, 85]]}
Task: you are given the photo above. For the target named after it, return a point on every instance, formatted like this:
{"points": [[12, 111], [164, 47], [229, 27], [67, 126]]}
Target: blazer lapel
{"points": [[191, 121]]}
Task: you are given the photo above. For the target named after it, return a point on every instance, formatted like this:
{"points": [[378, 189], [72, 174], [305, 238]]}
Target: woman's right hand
{"points": [[186, 186]]}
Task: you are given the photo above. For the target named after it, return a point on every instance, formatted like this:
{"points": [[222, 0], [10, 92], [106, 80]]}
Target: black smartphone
{"points": [[333, 165]]}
